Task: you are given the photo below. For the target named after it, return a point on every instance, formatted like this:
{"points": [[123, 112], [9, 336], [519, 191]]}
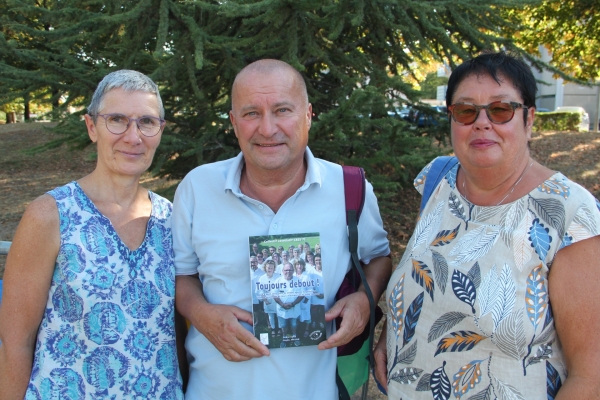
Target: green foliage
{"points": [[13, 106], [356, 57], [430, 84], [569, 29], [557, 121]]}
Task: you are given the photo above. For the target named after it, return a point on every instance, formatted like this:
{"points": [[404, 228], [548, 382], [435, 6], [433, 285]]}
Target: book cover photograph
{"points": [[287, 289]]}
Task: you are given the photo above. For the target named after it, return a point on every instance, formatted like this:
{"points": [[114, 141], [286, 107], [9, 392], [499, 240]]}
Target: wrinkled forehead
{"points": [[278, 86]]}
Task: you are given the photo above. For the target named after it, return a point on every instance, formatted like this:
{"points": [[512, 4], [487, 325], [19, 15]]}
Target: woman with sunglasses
{"points": [[497, 294], [88, 306]]}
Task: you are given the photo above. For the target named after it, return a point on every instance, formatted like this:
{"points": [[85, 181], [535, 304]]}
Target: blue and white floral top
{"points": [[108, 330], [469, 312]]}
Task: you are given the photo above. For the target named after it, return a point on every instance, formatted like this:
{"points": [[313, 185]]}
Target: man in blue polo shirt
{"points": [[262, 191]]}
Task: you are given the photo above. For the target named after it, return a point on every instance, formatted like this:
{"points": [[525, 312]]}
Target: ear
{"points": [[530, 119], [232, 119], [309, 114], [91, 128]]}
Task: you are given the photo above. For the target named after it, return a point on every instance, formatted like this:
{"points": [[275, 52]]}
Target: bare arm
{"points": [[574, 290], [354, 309], [27, 278], [219, 323]]}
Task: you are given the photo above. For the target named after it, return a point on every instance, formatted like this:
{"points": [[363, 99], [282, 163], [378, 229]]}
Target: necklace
{"points": [[512, 188]]}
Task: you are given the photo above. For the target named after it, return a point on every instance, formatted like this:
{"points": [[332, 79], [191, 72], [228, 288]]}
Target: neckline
{"points": [[110, 224], [503, 204]]}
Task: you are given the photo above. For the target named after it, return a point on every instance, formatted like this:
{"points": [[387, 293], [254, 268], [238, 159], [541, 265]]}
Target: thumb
{"points": [[243, 315], [334, 311]]}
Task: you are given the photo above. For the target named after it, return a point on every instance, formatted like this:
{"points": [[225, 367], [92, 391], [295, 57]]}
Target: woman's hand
{"points": [[380, 355]]}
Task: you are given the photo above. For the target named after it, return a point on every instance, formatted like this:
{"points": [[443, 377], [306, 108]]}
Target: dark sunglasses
{"points": [[498, 112]]}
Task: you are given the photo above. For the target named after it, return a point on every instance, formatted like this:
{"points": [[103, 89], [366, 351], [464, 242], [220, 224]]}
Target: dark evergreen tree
{"points": [[355, 56]]}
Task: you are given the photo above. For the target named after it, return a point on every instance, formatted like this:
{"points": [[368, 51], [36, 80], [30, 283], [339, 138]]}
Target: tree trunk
{"points": [[27, 109]]}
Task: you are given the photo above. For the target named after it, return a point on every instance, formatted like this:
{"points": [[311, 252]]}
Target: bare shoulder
{"points": [[39, 224], [586, 249], [577, 260], [42, 210]]}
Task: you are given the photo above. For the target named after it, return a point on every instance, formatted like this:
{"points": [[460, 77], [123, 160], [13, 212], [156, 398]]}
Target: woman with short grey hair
{"points": [[89, 285]]}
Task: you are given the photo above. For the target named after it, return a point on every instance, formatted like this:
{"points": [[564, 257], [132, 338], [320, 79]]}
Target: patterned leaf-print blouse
{"points": [[469, 316], [108, 330]]}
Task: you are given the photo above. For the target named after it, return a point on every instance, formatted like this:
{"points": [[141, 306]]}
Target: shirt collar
{"points": [[232, 182]]}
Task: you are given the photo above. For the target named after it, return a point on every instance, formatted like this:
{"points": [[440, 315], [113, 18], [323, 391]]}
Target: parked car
{"points": [[584, 125], [542, 109], [402, 113], [424, 119]]}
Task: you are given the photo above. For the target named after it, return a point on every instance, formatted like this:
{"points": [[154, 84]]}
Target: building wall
{"points": [[554, 93]]}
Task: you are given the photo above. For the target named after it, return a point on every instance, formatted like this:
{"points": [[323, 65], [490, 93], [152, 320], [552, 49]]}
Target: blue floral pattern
{"points": [[108, 328]]}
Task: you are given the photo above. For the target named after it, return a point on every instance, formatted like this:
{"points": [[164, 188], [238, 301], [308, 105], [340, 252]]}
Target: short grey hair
{"points": [[128, 80]]}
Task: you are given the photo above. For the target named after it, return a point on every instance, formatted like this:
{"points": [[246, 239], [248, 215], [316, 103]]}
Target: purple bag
{"points": [[354, 191]]}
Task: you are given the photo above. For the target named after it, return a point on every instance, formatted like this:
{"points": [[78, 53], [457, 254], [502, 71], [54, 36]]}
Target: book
{"points": [[287, 287]]}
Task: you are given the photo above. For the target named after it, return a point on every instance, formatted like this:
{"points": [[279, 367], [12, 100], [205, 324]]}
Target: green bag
{"points": [[354, 369]]}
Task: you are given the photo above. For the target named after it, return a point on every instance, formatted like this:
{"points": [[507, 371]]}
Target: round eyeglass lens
{"points": [[465, 113], [149, 125], [117, 123], [500, 112]]}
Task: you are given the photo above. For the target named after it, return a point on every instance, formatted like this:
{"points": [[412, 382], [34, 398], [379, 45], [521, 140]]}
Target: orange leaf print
{"points": [[445, 237], [458, 341], [423, 276]]}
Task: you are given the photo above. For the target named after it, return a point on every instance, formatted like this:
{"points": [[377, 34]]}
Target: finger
{"points": [[339, 338], [242, 352], [235, 356], [334, 311], [252, 347], [381, 368], [243, 315], [381, 376]]}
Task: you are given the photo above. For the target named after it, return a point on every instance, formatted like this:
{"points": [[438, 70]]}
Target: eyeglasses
{"points": [[498, 112], [119, 123]]}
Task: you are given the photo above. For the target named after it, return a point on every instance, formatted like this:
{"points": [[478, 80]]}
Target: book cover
{"points": [[287, 289]]}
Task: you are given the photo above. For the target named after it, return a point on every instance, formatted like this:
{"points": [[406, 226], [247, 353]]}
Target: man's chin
{"points": [[272, 163]]}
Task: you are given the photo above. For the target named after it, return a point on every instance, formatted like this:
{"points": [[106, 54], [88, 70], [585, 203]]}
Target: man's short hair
{"points": [[128, 80]]}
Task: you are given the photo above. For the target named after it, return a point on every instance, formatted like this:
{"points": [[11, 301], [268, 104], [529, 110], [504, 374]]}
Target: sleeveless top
{"points": [[468, 308], [108, 329]]}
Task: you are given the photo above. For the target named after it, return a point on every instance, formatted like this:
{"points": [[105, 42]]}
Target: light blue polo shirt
{"points": [[212, 221]]}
